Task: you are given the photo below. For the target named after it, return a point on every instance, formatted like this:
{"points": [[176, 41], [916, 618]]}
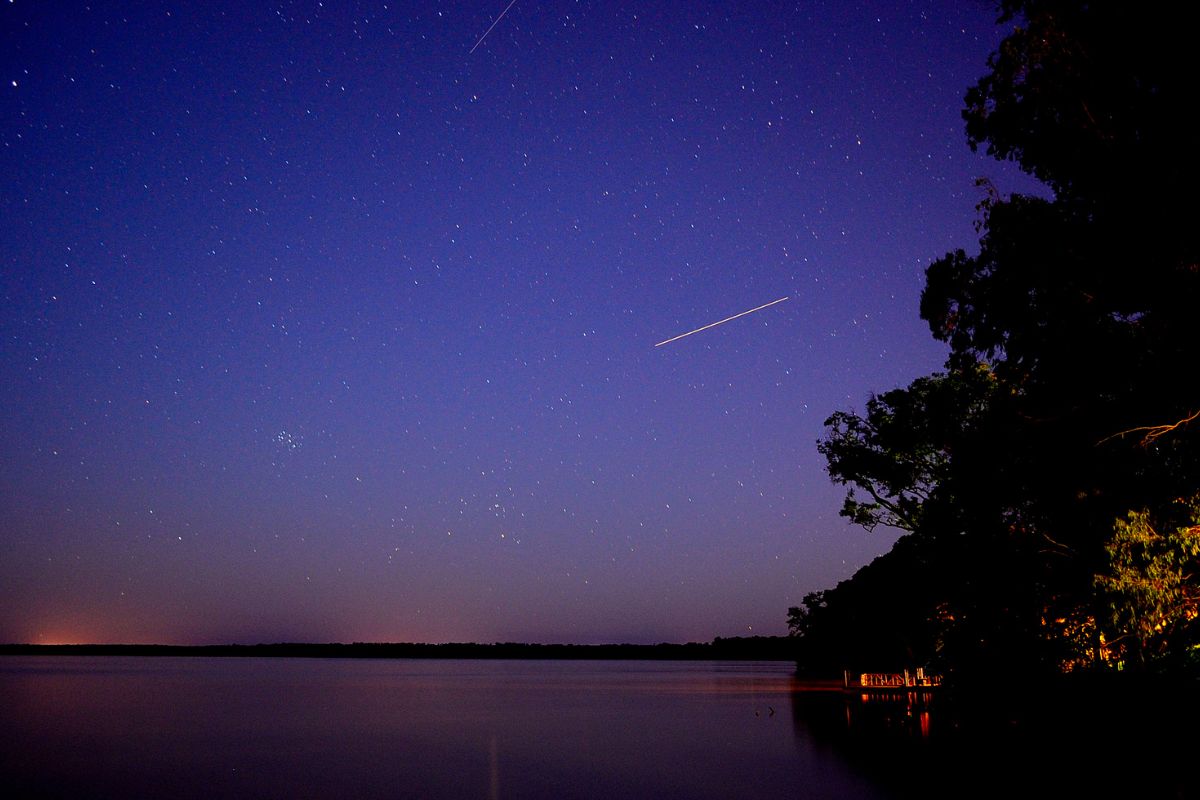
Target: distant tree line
{"points": [[736, 648], [1047, 480]]}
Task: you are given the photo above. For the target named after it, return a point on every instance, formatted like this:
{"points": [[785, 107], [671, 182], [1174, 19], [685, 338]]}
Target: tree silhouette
{"points": [[1029, 470]]}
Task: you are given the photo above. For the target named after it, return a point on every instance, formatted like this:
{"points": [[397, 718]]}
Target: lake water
{"points": [[294, 728]]}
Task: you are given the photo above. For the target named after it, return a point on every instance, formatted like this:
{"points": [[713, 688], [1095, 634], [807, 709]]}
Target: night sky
{"points": [[318, 326]]}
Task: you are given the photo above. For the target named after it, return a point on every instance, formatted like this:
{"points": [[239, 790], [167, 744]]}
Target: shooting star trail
{"points": [[489, 30], [720, 322]]}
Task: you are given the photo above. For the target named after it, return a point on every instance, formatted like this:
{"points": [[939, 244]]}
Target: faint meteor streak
{"points": [[489, 30], [720, 322]]}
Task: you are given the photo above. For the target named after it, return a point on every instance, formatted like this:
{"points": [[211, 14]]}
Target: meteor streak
{"points": [[489, 30], [720, 322]]}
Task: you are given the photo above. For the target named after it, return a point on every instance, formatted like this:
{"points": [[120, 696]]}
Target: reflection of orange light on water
{"points": [[923, 717]]}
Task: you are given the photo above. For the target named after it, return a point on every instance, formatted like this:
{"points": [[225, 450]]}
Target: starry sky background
{"points": [[319, 327]]}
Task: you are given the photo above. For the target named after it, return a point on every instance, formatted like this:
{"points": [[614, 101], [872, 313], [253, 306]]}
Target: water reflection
{"points": [[1014, 741], [889, 737], [167, 727], [493, 769]]}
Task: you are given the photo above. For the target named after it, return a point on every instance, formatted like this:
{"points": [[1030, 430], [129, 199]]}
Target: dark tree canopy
{"points": [[1031, 470], [898, 454]]}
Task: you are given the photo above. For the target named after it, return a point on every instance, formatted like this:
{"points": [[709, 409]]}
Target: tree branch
{"points": [[902, 520], [1153, 432]]}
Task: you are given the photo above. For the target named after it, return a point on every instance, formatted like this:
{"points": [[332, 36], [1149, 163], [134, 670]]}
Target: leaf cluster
{"points": [[1151, 584]]}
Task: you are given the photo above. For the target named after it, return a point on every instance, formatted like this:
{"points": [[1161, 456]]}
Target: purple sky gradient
{"points": [[318, 327]]}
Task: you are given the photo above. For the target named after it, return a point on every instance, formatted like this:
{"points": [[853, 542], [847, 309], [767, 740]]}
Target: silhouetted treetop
{"points": [[1040, 478], [1092, 98]]}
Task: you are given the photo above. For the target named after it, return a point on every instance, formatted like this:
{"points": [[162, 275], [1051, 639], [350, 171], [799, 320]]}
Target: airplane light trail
{"points": [[489, 30], [720, 322]]}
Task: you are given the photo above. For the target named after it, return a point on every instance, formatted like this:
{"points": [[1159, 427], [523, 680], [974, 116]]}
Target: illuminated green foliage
{"points": [[1151, 585]]}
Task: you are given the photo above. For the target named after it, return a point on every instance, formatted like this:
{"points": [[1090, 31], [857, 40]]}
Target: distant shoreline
{"points": [[757, 648]]}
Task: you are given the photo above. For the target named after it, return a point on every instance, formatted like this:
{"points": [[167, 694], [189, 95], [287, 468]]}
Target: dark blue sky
{"points": [[318, 326]]}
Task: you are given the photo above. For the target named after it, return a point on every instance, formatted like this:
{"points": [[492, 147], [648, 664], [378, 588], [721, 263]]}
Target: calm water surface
{"points": [[262, 728]]}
